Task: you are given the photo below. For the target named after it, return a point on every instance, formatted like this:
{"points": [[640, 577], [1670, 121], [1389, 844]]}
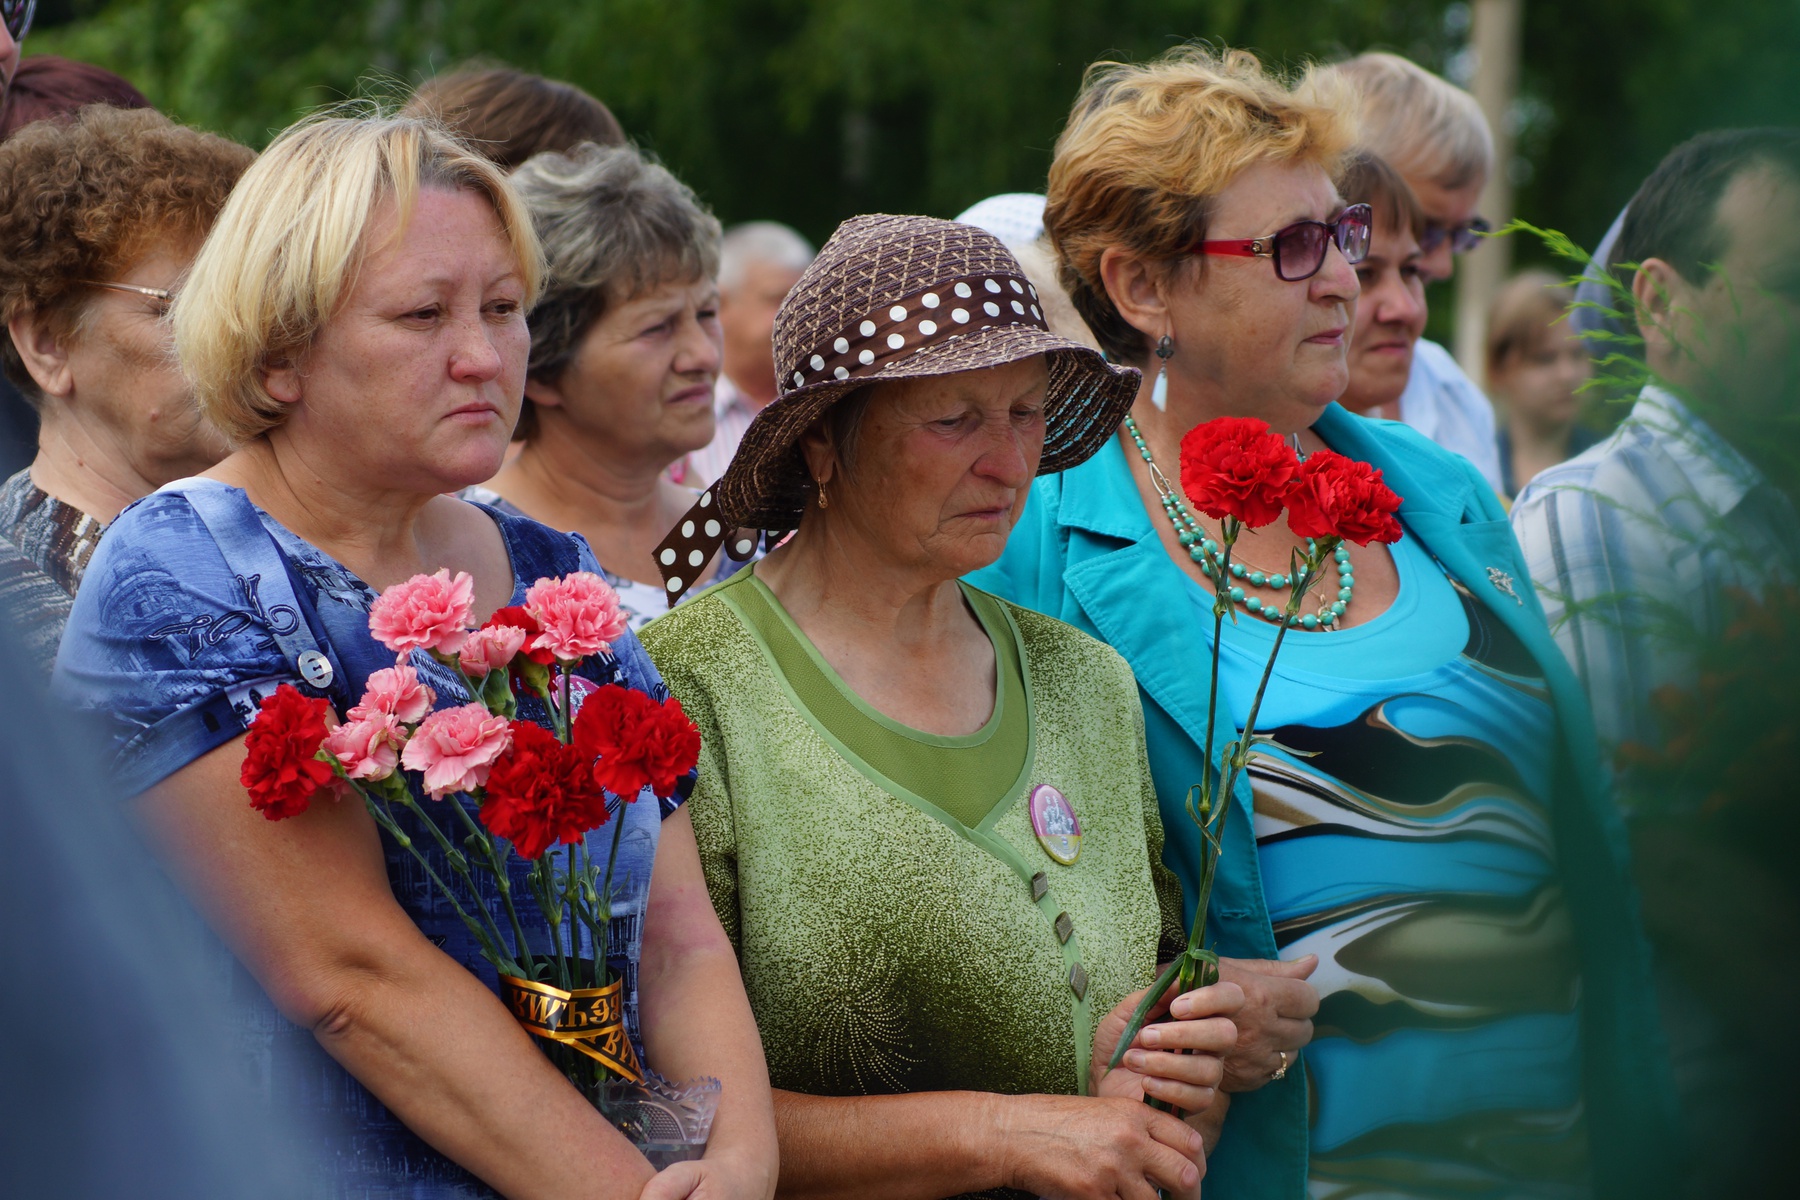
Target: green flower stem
{"points": [[570, 898], [459, 862], [498, 862], [1198, 966], [384, 819], [551, 904], [606, 891], [1228, 535], [559, 726]]}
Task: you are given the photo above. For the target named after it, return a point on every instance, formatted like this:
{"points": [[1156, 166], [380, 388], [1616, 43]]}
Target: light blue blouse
{"points": [[1404, 834]]}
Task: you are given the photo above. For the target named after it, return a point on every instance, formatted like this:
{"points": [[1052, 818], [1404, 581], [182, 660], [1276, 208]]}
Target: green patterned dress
{"points": [[888, 946]]}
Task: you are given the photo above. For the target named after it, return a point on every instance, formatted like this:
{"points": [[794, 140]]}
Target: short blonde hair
{"points": [[1426, 127], [1149, 147], [284, 253]]}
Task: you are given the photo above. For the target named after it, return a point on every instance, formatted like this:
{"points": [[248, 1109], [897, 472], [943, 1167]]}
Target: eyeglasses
{"points": [[163, 294], [17, 14], [1463, 238], [1299, 250]]}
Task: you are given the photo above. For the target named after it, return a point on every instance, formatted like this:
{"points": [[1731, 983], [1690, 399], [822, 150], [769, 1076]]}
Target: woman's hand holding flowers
{"points": [[1177, 1061], [1276, 1017]]}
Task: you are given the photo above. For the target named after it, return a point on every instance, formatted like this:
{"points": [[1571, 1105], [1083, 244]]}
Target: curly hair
{"points": [[1149, 147], [87, 199]]}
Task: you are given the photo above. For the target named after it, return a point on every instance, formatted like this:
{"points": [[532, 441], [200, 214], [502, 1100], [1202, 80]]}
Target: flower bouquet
{"points": [[1243, 475], [533, 789]]}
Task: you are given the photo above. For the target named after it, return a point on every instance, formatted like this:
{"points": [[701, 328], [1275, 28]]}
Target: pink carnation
{"points": [[579, 615], [395, 692], [368, 748], [491, 648], [427, 612], [454, 748]]}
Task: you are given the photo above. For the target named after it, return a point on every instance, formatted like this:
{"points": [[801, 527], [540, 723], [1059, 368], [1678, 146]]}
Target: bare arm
{"points": [[306, 905], [933, 1144], [697, 1021]]}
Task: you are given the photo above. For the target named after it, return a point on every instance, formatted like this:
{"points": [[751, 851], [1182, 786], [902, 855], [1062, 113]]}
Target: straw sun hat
{"points": [[891, 298]]}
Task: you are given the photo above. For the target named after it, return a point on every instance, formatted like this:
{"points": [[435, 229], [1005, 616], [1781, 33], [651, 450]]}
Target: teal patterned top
{"points": [[1404, 832]]}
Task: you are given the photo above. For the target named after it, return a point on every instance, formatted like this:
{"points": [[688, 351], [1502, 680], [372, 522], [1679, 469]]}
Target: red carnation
{"points": [[516, 616], [280, 771], [1336, 496], [541, 793], [637, 742], [1236, 467]]}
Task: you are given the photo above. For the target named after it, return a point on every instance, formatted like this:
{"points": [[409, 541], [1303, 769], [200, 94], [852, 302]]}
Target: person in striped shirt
{"points": [[1639, 544]]}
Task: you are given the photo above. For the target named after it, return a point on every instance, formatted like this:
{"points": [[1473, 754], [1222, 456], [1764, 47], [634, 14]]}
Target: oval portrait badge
{"points": [[1053, 820]]}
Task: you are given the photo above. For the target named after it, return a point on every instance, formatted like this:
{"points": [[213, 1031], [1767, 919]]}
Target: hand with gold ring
{"points": [[1275, 1022]]}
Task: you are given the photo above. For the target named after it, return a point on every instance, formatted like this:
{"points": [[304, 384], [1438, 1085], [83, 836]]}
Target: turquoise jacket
{"points": [[1086, 552]]}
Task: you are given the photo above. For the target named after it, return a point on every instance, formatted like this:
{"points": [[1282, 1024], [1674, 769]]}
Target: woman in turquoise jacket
{"points": [[1430, 845]]}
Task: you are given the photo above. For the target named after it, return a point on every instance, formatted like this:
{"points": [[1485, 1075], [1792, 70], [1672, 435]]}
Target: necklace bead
{"points": [[1205, 551]]}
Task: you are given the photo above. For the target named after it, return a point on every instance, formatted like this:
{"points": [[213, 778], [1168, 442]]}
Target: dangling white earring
{"points": [[1159, 391]]}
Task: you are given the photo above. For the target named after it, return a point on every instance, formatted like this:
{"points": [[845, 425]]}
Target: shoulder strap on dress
{"points": [[263, 571], [538, 551]]}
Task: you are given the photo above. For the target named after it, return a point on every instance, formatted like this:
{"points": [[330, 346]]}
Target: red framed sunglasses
{"points": [[1299, 250]]}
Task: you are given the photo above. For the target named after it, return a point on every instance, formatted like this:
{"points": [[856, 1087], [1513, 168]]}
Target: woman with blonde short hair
{"points": [[355, 324], [1423, 861]]}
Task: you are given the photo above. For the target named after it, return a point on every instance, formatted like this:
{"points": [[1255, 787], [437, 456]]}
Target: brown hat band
{"points": [[943, 312]]}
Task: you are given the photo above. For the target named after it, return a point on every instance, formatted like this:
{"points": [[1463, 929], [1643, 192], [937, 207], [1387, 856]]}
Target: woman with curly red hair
{"points": [[101, 217]]}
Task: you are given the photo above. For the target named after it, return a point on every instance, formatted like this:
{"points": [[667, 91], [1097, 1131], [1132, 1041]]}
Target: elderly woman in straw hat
{"points": [[355, 321], [924, 814]]}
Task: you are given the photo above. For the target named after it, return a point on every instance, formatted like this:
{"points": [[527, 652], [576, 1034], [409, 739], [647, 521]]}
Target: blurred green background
{"points": [[810, 110]]}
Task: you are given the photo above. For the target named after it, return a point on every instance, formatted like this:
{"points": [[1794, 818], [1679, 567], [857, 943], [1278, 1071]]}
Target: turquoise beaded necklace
{"points": [[1205, 551]]}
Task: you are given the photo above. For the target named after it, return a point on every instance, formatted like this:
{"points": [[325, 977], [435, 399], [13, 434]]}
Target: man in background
{"points": [[1667, 556], [1638, 543], [1434, 134], [759, 263]]}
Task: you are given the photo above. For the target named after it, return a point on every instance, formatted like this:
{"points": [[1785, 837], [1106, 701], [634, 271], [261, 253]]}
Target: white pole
{"points": [[1494, 40]]}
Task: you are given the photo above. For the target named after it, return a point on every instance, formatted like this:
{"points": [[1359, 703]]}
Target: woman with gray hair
{"points": [[625, 350]]}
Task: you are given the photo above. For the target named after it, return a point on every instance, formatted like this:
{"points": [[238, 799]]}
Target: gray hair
{"points": [[761, 242], [1424, 126], [614, 224]]}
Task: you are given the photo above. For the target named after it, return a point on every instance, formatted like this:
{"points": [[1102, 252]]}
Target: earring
{"points": [[823, 501], [1159, 391]]}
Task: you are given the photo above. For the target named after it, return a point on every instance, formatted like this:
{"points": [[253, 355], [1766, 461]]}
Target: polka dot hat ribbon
{"points": [[935, 316], [682, 555]]}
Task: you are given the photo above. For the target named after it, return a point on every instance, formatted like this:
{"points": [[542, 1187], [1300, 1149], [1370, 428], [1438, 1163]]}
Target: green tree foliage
{"points": [[810, 110]]}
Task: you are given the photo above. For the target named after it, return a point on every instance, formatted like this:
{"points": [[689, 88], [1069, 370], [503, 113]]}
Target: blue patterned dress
{"points": [[173, 649], [1407, 842]]}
